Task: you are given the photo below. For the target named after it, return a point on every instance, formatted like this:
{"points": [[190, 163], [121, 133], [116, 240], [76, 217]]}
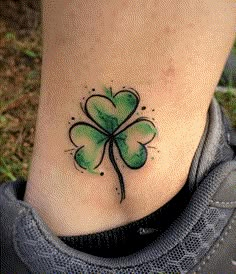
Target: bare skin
{"points": [[172, 53]]}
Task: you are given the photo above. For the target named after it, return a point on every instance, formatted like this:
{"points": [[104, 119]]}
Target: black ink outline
{"points": [[86, 124], [68, 150], [141, 119], [105, 97], [111, 137], [103, 153], [152, 147], [120, 176], [75, 165], [77, 150], [131, 167], [81, 106]]}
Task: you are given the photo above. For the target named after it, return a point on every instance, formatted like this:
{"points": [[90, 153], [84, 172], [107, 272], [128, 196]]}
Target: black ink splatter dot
{"points": [[72, 118], [143, 108], [85, 86], [153, 109], [116, 188], [83, 98], [118, 193], [71, 153], [102, 173], [93, 89], [69, 123], [123, 87], [153, 119]]}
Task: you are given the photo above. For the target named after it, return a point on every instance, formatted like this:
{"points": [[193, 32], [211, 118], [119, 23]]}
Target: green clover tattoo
{"points": [[109, 113]]}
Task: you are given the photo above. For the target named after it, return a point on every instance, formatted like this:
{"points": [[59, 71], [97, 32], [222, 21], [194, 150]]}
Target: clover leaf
{"points": [[109, 112]]}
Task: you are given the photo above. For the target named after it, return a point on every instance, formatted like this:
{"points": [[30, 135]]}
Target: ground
{"points": [[20, 67]]}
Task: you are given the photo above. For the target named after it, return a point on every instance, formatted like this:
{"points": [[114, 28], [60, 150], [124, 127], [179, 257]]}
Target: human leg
{"points": [[172, 54]]}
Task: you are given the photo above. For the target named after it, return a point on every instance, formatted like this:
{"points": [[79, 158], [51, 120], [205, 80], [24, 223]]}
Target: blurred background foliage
{"points": [[20, 67]]}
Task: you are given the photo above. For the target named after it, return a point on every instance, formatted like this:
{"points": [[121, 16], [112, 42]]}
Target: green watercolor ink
{"points": [[109, 113]]}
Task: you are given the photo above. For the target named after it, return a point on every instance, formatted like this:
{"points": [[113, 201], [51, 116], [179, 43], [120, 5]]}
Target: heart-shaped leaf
{"points": [[110, 113], [132, 140], [91, 145]]}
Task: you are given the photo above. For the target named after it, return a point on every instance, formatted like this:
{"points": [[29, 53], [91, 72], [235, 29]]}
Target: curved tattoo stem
{"points": [[120, 176]]}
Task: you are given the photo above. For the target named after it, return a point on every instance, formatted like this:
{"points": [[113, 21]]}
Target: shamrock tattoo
{"points": [[109, 112]]}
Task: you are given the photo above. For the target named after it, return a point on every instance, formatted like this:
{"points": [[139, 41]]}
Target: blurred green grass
{"points": [[227, 100], [20, 68]]}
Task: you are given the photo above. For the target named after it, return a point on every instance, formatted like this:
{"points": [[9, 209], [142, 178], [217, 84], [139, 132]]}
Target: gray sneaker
{"points": [[201, 240]]}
